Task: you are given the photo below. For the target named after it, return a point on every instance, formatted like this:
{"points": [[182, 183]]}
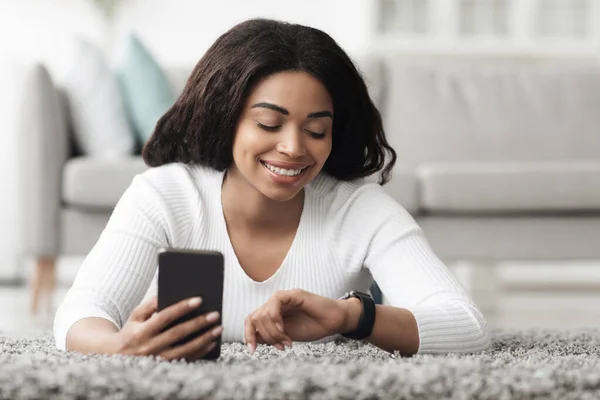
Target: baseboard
{"points": [[554, 287], [566, 276]]}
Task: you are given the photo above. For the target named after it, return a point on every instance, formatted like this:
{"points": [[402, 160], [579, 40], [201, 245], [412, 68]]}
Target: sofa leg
{"points": [[42, 284]]}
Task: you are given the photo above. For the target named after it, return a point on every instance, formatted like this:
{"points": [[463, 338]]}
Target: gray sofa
{"points": [[497, 159], [504, 153]]}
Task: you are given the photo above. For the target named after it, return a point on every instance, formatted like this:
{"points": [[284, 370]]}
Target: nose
{"points": [[292, 143]]}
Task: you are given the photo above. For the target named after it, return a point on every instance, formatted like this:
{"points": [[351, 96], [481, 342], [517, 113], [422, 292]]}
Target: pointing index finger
{"points": [[250, 334]]}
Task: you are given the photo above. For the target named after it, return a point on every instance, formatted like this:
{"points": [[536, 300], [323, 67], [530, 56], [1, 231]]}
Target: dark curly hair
{"points": [[200, 127]]}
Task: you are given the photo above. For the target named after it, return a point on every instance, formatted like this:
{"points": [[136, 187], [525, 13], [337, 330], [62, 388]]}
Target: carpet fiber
{"points": [[519, 365]]}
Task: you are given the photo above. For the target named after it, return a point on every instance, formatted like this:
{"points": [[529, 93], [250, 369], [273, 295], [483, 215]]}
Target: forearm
{"points": [[92, 335], [395, 328], [457, 327]]}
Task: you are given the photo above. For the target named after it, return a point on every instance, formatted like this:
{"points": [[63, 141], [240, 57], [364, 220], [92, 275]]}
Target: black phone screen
{"points": [[189, 273]]}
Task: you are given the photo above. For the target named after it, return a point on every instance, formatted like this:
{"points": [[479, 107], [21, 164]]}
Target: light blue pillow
{"points": [[146, 91]]}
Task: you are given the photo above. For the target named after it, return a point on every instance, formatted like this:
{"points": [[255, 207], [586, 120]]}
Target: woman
{"points": [[262, 158]]}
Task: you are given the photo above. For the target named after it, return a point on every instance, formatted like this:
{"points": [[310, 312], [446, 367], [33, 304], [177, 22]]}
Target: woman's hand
{"points": [[142, 336], [297, 315]]}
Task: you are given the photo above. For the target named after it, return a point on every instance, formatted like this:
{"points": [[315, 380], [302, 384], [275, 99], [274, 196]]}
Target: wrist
{"points": [[352, 311]]}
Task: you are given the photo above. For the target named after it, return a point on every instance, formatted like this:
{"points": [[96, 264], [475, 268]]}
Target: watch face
{"points": [[360, 294], [355, 293]]}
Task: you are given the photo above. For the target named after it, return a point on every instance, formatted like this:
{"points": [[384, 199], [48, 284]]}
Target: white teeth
{"points": [[283, 171]]}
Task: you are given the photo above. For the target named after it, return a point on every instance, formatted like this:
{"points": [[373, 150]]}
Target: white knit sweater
{"points": [[349, 234]]}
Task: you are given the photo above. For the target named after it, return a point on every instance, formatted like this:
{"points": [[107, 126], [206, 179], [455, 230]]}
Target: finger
{"points": [[172, 313], [268, 331], [279, 327], [250, 334], [195, 346], [203, 352], [276, 328], [145, 310], [280, 338], [260, 330], [273, 317], [180, 331]]}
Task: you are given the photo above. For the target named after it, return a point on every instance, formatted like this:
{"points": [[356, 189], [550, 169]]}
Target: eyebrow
{"points": [[281, 110]]}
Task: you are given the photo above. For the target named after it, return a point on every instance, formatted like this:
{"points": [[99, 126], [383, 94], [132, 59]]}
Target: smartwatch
{"points": [[367, 317]]}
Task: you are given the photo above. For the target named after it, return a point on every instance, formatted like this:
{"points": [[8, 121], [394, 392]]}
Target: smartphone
{"points": [[189, 273]]}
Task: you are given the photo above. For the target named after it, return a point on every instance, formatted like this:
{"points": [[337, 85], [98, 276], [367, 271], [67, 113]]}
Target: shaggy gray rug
{"points": [[519, 365]]}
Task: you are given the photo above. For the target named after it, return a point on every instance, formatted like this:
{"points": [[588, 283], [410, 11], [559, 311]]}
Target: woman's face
{"points": [[283, 137]]}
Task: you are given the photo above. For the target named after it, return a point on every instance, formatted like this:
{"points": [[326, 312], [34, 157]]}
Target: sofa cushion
{"points": [[96, 183], [457, 109], [100, 125], [510, 186], [146, 89], [403, 188]]}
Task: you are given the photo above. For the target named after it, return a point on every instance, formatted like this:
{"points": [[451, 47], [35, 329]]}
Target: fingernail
{"points": [[278, 325], [217, 331], [250, 348], [279, 346], [287, 343], [193, 302], [213, 316]]}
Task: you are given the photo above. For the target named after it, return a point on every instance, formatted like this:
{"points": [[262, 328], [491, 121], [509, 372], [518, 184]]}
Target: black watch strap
{"points": [[367, 317]]}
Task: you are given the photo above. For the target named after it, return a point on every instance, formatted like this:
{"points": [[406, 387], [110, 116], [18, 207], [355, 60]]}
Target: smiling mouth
{"points": [[283, 171]]}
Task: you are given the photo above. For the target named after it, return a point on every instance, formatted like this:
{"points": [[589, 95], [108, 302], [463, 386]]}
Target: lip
{"points": [[286, 165], [285, 180]]}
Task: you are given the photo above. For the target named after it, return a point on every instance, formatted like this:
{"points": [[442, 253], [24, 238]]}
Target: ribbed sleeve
{"points": [[411, 276]]}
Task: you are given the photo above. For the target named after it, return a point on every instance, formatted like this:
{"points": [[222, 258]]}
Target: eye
{"points": [[268, 128], [316, 135]]}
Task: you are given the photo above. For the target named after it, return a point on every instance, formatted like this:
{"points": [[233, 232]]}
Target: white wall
{"points": [[177, 31]]}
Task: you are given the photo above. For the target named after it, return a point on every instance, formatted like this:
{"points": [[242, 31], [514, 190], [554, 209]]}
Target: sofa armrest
{"points": [[403, 187], [42, 149]]}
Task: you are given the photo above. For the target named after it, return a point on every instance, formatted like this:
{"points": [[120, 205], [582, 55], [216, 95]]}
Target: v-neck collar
{"points": [[230, 252]]}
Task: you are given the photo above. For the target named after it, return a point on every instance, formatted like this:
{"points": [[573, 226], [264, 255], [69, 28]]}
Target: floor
{"points": [[512, 308], [15, 315]]}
